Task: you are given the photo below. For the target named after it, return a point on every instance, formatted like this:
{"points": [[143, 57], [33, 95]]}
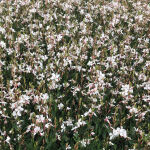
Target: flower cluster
{"points": [[74, 74], [118, 132]]}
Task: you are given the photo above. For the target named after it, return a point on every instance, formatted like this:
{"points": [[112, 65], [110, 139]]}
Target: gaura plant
{"points": [[74, 74]]}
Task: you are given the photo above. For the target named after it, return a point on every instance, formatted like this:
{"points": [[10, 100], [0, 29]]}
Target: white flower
{"points": [[42, 134], [123, 133], [47, 125], [147, 86], [80, 122], [101, 76], [116, 132], [3, 44], [81, 11], [2, 30], [94, 100], [33, 10], [29, 127], [111, 143], [69, 122], [68, 147], [126, 89], [44, 57], [45, 96], [24, 99], [59, 37], [14, 113], [58, 136], [83, 143], [36, 130], [55, 77], [60, 106], [68, 108], [49, 46], [17, 111], [28, 69], [63, 128], [133, 110], [87, 113], [40, 118], [90, 63], [7, 139]]}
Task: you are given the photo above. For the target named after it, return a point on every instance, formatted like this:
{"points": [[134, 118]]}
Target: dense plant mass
{"points": [[75, 74]]}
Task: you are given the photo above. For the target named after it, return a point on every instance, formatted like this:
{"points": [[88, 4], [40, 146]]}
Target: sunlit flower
{"points": [[118, 132], [60, 106]]}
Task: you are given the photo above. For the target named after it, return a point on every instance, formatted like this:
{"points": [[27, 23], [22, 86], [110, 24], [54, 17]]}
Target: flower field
{"points": [[74, 74]]}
